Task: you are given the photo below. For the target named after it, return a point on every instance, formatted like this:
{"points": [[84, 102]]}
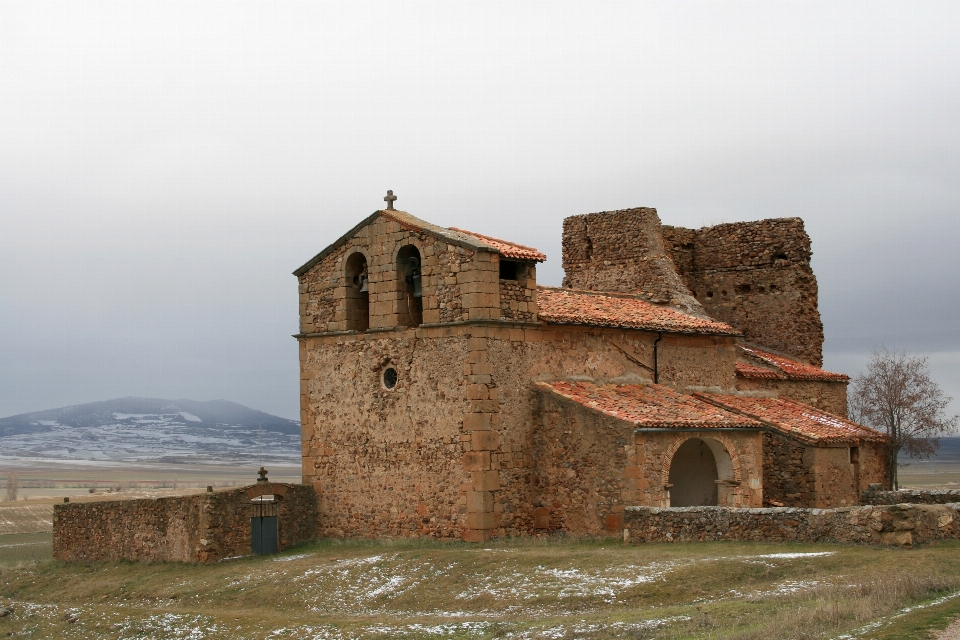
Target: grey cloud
{"points": [[164, 167]]}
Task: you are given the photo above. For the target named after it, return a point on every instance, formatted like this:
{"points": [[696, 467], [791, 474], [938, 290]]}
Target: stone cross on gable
{"points": [[389, 199]]}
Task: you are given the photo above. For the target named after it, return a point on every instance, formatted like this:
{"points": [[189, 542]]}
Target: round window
{"points": [[389, 377]]}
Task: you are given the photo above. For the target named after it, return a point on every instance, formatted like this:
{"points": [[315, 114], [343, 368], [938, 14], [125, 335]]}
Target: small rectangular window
{"points": [[854, 455], [508, 270]]}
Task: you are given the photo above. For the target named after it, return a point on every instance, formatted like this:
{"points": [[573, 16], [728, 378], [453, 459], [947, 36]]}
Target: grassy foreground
{"points": [[556, 588]]}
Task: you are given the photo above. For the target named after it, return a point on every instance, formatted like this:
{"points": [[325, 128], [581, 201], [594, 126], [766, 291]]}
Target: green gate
{"points": [[264, 536]]}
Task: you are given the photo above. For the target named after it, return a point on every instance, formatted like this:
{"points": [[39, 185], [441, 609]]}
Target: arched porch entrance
{"points": [[701, 474]]}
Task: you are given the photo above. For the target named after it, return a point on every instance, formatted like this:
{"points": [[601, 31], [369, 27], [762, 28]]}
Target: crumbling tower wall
{"points": [[757, 277], [623, 251]]}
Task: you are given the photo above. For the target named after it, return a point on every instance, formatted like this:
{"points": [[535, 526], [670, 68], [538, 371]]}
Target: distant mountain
{"points": [[949, 450], [134, 411]]}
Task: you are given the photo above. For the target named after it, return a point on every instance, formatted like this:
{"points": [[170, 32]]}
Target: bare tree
{"points": [[897, 396], [13, 486]]}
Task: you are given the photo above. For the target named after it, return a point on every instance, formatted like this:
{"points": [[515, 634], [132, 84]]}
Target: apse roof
{"points": [[650, 406], [655, 406], [796, 419], [783, 367]]}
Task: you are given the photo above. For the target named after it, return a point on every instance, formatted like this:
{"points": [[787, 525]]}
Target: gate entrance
{"points": [[263, 525]]}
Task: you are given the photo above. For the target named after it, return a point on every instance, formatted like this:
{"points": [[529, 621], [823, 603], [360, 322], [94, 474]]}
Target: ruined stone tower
{"points": [[755, 276]]}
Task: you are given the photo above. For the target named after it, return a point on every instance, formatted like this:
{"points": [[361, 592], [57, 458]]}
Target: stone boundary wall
{"points": [[200, 528], [902, 524], [911, 496]]}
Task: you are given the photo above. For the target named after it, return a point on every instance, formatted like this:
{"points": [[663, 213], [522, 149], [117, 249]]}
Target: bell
{"points": [[414, 278], [363, 284], [417, 289]]}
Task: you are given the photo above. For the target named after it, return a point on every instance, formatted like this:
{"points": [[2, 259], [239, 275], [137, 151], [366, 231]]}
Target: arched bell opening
{"points": [[410, 283], [700, 471], [358, 293]]}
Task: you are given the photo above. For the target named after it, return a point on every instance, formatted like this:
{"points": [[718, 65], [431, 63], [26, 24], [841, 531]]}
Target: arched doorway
{"points": [[693, 475], [702, 473]]}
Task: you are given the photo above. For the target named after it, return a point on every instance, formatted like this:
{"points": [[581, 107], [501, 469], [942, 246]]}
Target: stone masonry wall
{"points": [[589, 467], [757, 277], [796, 474], [518, 298], [382, 466], [874, 468], [385, 462], [904, 524], [623, 251], [828, 395], [877, 496], [787, 477], [197, 528]]}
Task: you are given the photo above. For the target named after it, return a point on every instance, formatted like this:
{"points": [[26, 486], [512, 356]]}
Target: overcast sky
{"points": [[165, 166]]}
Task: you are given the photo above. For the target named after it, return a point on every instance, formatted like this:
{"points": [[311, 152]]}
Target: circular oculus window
{"points": [[389, 378]]}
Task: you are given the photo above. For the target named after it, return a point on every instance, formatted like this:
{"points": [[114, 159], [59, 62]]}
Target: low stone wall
{"points": [[902, 524], [911, 496], [199, 528]]}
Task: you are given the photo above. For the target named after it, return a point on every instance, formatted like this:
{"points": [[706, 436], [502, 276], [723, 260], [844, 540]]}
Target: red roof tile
{"points": [[797, 420], [569, 306], [791, 369], [507, 249], [650, 406], [745, 370]]}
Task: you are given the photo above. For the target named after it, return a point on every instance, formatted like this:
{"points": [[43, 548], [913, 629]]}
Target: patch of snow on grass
{"points": [[792, 556], [883, 622], [291, 558]]}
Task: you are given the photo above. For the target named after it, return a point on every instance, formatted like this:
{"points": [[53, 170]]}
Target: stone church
{"points": [[444, 393]]}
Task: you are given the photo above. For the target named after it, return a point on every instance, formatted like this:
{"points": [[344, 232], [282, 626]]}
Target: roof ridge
{"points": [[486, 237]]}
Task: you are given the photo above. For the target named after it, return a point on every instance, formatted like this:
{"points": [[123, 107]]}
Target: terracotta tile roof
{"points": [[650, 406], [790, 369], [797, 420], [507, 249], [745, 370], [570, 306]]}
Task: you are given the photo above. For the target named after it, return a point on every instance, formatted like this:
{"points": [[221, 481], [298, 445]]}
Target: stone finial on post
{"points": [[263, 475]]}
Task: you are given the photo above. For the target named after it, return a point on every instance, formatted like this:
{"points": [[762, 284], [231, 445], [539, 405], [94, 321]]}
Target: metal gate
{"points": [[263, 525]]}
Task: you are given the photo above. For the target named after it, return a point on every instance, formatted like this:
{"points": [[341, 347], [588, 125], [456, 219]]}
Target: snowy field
{"points": [[170, 438]]}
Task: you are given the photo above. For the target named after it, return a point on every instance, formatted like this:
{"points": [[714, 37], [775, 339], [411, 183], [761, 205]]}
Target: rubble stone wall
{"points": [[755, 276], [589, 467], [198, 528], [796, 474], [903, 524], [874, 468], [518, 298], [382, 466], [836, 477], [828, 395], [910, 496], [787, 475], [386, 462], [623, 251]]}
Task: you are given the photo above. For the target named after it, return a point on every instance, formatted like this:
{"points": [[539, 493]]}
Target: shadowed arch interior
{"points": [[410, 302], [358, 297], [693, 475]]}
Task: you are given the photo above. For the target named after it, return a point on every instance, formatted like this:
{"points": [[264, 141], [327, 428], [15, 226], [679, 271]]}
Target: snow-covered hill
{"points": [[151, 429]]}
